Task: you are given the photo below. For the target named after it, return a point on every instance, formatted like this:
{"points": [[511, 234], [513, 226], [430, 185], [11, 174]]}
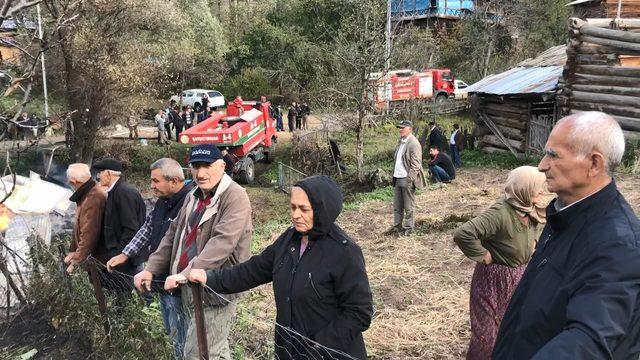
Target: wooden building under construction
{"points": [[515, 110]]}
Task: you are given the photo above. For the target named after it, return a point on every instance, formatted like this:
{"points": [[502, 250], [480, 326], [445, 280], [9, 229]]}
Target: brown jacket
{"points": [[412, 161], [91, 200], [223, 240]]}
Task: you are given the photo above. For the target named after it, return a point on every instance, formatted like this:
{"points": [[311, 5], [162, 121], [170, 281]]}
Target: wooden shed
{"points": [[515, 110], [603, 71]]}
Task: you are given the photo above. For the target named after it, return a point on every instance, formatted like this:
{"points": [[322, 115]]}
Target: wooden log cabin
{"points": [[602, 72], [515, 110]]}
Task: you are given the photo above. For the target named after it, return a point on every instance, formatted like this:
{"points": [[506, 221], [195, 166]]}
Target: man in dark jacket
{"points": [[436, 139], [292, 115], [178, 125], [319, 279], [440, 166], [167, 182], [580, 295], [123, 215]]}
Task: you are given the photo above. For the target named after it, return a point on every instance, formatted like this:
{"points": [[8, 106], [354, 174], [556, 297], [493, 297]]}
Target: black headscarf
{"points": [[326, 200]]}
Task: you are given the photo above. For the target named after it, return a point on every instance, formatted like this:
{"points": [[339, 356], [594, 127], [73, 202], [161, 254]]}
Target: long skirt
{"points": [[491, 289]]}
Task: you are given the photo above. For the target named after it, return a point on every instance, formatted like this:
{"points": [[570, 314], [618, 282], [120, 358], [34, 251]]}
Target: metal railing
{"points": [[288, 176]]}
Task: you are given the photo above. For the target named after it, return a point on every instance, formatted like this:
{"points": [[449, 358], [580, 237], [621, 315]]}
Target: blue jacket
{"points": [[580, 295]]}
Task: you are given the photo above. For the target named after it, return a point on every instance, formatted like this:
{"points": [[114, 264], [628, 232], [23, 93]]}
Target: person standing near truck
{"points": [[292, 115]]}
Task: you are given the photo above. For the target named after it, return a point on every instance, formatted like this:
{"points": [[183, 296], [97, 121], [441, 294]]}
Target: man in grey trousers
{"points": [[407, 177]]}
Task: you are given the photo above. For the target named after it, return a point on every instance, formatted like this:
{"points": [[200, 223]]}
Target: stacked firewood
{"points": [[603, 71]]}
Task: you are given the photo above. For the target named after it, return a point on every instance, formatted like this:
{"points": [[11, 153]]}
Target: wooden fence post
{"points": [[102, 303], [201, 332]]}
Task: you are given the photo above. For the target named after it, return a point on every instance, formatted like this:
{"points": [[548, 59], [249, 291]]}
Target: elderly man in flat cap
{"points": [[212, 230], [123, 215], [408, 176]]}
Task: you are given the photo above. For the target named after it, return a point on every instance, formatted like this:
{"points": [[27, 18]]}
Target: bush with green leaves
{"points": [[137, 330]]}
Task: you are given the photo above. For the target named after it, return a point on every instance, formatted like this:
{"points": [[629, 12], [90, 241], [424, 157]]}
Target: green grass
{"points": [[35, 105], [380, 143], [355, 201], [264, 233], [477, 158]]}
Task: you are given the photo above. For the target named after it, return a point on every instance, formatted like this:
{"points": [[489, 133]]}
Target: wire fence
{"points": [[287, 177], [197, 318], [191, 322]]}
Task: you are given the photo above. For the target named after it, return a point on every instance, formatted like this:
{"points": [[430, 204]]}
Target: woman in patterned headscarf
{"points": [[501, 240]]}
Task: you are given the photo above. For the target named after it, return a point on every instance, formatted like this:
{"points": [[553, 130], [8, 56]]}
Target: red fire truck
{"points": [[248, 135], [399, 86]]}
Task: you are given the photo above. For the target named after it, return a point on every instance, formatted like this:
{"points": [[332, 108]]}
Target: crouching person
{"points": [[211, 231], [319, 279]]}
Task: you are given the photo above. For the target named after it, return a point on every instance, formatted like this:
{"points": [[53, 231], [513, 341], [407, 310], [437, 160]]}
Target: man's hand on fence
{"points": [[174, 281], [116, 260], [142, 281], [198, 276], [71, 267]]}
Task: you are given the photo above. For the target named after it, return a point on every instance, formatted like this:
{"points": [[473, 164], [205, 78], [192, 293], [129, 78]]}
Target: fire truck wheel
{"points": [[246, 175]]}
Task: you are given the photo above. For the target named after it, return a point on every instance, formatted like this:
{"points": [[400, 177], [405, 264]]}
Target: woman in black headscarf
{"points": [[319, 279]]}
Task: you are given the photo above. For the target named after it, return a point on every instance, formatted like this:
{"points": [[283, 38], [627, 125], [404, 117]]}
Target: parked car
{"points": [[460, 91], [193, 98]]}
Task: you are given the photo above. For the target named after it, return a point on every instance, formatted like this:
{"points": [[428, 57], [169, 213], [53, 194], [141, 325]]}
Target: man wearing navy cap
{"points": [[124, 213], [212, 230]]}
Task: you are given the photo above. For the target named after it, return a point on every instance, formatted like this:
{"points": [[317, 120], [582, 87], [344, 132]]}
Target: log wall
{"points": [[511, 115], [601, 73]]}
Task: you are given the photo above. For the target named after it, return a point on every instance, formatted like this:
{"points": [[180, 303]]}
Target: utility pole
{"points": [[44, 71], [387, 54], [388, 33]]}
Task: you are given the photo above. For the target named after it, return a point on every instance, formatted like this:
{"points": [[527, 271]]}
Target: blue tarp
{"points": [[431, 7]]}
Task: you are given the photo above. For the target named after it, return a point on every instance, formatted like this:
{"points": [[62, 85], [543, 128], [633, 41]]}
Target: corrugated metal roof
{"points": [[519, 80], [579, 2], [556, 55]]}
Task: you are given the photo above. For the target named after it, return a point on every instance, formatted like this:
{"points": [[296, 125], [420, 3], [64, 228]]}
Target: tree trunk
{"points": [[360, 144]]}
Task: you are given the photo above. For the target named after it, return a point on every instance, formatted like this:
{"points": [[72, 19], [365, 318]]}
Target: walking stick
{"points": [[201, 332]]}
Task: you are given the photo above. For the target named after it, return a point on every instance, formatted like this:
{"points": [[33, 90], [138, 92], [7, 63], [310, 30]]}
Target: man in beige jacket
{"points": [[407, 177], [212, 230]]}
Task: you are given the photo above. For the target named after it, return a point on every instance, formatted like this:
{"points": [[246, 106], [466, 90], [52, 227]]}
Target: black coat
{"points": [[436, 138], [124, 213], [323, 295], [293, 112], [580, 295]]}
